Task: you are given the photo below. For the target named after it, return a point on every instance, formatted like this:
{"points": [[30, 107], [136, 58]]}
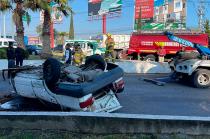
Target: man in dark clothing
{"points": [[19, 55], [68, 54], [10, 57]]}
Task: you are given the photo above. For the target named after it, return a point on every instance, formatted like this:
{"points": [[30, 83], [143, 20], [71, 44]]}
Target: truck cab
{"points": [[4, 42]]}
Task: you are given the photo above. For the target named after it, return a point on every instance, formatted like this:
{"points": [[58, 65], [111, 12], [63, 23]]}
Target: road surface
{"points": [[141, 97]]}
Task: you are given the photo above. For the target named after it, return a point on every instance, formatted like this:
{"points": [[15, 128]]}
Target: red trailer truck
{"points": [[144, 46]]}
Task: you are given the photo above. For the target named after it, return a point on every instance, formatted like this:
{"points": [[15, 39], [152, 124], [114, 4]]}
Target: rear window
{"points": [[0, 43]]}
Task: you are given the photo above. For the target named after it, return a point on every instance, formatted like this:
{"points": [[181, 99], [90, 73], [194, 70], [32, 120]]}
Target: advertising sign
{"points": [[100, 7], [33, 40], [160, 14], [56, 15]]}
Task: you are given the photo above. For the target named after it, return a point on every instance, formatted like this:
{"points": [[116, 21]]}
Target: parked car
{"points": [[34, 49], [58, 48], [93, 86]]}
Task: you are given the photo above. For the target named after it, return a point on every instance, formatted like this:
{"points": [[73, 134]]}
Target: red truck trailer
{"points": [[144, 46]]}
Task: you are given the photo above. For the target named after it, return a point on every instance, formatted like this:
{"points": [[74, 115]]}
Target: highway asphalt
{"points": [[173, 98], [142, 97]]}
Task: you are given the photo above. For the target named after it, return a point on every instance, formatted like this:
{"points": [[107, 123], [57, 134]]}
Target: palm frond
{"points": [[5, 5]]}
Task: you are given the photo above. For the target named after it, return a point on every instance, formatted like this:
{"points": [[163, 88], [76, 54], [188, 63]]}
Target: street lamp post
{"points": [[4, 26]]}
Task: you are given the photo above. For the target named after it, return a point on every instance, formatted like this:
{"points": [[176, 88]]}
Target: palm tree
{"points": [[38, 5], [44, 5], [62, 35], [64, 8], [71, 30], [18, 20], [5, 5], [17, 16]]}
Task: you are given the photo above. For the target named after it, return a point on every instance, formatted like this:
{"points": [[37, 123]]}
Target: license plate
{"points": [[107, 103]]}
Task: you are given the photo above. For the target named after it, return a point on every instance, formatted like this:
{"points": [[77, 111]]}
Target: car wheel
{"points": [[96, 60], [150, 58], [51, 71], [201, 78]]}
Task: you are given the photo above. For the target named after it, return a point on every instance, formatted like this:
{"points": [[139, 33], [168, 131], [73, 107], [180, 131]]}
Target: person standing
{"points": [[10, 57], [68, 54], [78, 55], [109, 54], [19, 56], [161, 54]]}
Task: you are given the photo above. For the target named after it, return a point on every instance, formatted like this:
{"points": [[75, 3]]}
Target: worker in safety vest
{"points": [[161, 52], [109, 54], [78, 55]]}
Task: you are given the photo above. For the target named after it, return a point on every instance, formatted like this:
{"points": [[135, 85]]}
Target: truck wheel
{"points": [[149, 58], [96, 60], [201, 78], [51, 71]]}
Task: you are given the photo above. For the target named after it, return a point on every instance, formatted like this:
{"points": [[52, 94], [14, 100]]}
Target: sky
{"points": [[84, 28]]}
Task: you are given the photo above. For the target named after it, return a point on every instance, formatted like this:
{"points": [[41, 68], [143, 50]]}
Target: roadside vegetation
{"points": [[48, 134], [20, 9]]}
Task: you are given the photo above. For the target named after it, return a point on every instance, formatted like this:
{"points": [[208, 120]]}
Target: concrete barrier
{"points": [[127, 65], [106, 123], [135, 66]]}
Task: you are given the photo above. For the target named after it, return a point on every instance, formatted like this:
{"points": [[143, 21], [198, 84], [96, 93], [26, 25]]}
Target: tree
{"points": [[62, 35], [39, 31], [38, 5], [71, 30], [5, 5], [17, 17], [207, 28]]}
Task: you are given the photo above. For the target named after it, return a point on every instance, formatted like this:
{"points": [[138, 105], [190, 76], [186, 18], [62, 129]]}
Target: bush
{"points": [[25, 53], [3, 53]]}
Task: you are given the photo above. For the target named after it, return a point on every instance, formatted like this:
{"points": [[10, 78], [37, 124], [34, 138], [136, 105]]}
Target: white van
{"points": [[4, 42], [86, 47]]}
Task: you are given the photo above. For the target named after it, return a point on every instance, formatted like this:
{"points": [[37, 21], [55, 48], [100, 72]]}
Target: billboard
{"points": [[160, 14], [100, 7], [56, 15]]}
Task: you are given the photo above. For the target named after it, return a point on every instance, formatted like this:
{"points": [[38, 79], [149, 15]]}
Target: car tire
{"points": [[201, 78], [96, 59], [51, 71], [150, 58]]}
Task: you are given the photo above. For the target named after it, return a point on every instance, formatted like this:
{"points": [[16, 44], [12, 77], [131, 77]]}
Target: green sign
{"points": [[99, 7]]}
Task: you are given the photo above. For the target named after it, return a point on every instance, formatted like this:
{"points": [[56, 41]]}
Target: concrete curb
{"points": [[106, 123], [127, 65]]}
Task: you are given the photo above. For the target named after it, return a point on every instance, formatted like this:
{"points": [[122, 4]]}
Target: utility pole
{"points": [[4, 26], [201, 14], [0, 25]]}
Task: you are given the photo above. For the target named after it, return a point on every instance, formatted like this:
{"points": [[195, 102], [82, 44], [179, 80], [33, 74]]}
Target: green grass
{"points": [[52, 134]]}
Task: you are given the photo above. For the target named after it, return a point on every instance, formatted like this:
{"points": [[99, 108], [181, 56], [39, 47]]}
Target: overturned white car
{"points": [[91, 87]]}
